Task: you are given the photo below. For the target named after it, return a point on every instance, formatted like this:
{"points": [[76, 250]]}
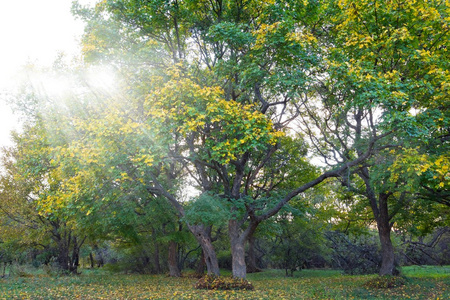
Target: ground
{"points": [[430, 282]]}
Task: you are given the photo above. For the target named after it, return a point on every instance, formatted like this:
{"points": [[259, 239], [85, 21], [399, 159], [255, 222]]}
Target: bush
{"points": [[355, 255], [210, 282], [385, 282], [224, 259], [20, 270]]}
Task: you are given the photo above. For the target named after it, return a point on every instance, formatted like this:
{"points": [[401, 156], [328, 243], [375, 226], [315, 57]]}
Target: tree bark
{"points": [[74, 259], [381, 213], [204, 239], [63, 256], [387, 251], [174, 271], [63, 251], [237, 240], [91, 259], [251, 263], [199, 231], [384, 232]]}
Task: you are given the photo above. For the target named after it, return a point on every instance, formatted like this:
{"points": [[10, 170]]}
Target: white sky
{"points": [[32, 31]]}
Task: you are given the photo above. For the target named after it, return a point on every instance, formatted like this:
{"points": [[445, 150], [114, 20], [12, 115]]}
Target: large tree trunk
{"points": [[204, 239], [63, 256], [237, 241], [63, 244], [387, 251], [174, 271]]}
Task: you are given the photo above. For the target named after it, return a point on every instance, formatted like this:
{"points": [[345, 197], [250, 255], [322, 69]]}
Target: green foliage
{"points": [[212, 93], [207, 209]]}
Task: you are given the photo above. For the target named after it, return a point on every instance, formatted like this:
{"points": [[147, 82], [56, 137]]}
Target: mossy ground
{"points": [[421, 283]]}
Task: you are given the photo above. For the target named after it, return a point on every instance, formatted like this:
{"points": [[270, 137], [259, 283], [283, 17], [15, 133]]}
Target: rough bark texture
{"points": [[237, 250], [174, 271], [387, 252], [204, 239]]}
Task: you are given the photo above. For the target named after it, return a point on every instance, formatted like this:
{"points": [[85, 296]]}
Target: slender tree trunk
{"points": [[174, 271], [381, 213], [237, 249], [74, 260], [91, 259], [204, 239], [384, 232]]}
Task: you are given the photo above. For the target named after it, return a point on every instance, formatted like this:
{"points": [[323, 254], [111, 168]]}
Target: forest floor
{"points": [[431, 282]]}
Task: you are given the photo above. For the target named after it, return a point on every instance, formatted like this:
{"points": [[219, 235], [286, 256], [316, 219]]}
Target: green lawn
{"points": [[422, 283]]}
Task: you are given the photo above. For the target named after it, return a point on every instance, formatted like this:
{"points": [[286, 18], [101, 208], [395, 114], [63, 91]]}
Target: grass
{"points": [[422, 283]]}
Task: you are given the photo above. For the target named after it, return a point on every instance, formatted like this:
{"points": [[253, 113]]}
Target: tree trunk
{"points": [[63, 255], [387, 252], [200, 269], [174, 271], [74, 260], [384, 232], [381, 213], [204, 239], [251, 263], [237, 241], [91, 259]]}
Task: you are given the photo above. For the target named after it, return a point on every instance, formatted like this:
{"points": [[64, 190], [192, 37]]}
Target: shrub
{"points": [[19, 270], [355, 255], [385, 282], [210, 282]]}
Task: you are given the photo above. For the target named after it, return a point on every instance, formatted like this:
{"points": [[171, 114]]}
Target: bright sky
{"points": [[32, 31]]}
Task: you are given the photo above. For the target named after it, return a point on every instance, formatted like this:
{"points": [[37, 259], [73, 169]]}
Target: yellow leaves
{"points": [[302, 37], [399, 94], [409, 162], [227, 127], [262, 32], [145, 159]]}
